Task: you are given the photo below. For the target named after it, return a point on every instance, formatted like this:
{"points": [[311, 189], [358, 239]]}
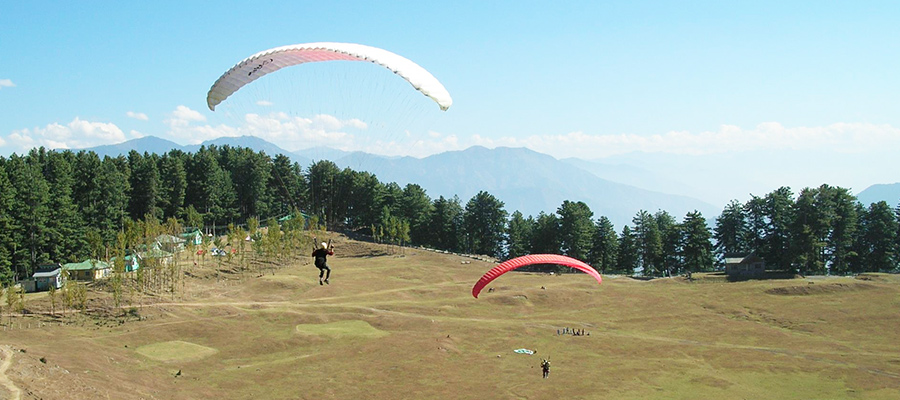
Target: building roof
{"points": [[156, 253], [169, 239], [47, 267], [47, 274], [291, 216], [86, 265], [743, 259]]}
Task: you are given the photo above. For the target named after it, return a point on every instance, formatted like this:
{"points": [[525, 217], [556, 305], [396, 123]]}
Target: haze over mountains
{"points": [[523, 179]]}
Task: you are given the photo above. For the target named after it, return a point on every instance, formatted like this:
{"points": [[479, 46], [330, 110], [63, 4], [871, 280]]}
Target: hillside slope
{"points": [[402, 324]]}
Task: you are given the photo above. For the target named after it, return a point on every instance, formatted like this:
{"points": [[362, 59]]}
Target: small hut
{"points": [[48, 275], [132, 262], [744, 266], [157, 257], [194, 237], [170, 244]]}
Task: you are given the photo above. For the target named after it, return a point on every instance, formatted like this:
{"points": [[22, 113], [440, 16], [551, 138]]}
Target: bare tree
{"points": [[11, 300], [52, 294]]}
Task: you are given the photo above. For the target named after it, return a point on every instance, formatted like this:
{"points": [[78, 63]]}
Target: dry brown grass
{"points": [[404, 326]]}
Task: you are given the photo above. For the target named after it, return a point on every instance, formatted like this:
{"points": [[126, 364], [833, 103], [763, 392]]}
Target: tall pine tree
{"points": [[732, 234], [173, 184], [7, 225], [576, 229], [670, 234], [485, 223], [880, 238], [604, 246], [446, 224], [31, 210], [648, 243], [545, 238], [697, 250], [628, 255], [65, 229], [519, 231]]}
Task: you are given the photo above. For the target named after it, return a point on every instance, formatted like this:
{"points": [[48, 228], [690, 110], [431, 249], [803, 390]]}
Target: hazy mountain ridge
{"points": [[523, 179], [635, 176], [153, 144], [889, 192], [149, 144]]}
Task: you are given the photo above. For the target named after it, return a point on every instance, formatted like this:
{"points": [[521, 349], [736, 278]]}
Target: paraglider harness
{"points": [[321, 255]]}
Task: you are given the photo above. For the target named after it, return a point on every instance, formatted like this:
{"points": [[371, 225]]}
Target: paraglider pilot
{"points": [[545, 366], [321, 256]]}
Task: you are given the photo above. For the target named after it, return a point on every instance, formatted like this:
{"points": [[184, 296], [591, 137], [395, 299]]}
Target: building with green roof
{"points": [[194, 237], [87, 270], [132, 262]]}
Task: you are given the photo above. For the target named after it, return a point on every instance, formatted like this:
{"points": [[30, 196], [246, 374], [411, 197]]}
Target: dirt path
{"points": [[4, 380]]}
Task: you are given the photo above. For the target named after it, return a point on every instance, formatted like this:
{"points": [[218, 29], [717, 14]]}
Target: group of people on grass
{"points": [[573, 332]]}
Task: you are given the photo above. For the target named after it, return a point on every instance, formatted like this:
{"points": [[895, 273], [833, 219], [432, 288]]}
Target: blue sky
{"points": [[763, 81]]}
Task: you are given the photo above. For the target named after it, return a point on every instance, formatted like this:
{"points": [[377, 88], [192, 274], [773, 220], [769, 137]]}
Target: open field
{"points": [[406, 327]]}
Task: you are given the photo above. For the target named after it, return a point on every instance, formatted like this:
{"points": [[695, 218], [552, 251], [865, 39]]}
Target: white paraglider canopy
{"points": [[268, 61]]}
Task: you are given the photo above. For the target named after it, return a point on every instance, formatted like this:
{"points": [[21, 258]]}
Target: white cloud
{"points": [[74, 135], [842, 137], [771, 136], [356, 123], [181, 128], [419, 147], [296, 132], [292, 133], [264, 103], [327, 122], [6, 83], [183, 117], [288, 132], [137, 115]]}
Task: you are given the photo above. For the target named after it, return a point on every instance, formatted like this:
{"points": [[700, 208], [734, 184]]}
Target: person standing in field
{"points": [[321, 260], [545, 367]]}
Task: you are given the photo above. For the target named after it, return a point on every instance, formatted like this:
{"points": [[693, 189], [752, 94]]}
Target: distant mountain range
{"points": [[662, 181], [523, 179], [149, 144], [153, 144], [878, 192]]}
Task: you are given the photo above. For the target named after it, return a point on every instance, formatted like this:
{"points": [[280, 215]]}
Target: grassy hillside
{"points": [[405, 326]]}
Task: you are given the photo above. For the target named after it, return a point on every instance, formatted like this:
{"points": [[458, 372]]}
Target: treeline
{"points": [[64, 206], [820, 229]]}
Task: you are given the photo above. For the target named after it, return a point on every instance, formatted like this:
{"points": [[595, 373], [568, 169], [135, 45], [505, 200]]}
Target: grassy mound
{"points": [[175, 350], [818, 289], [352, 328]]}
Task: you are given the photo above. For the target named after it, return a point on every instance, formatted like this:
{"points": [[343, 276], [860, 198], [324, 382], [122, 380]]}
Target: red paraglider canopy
{"points": [[517, 262]]}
